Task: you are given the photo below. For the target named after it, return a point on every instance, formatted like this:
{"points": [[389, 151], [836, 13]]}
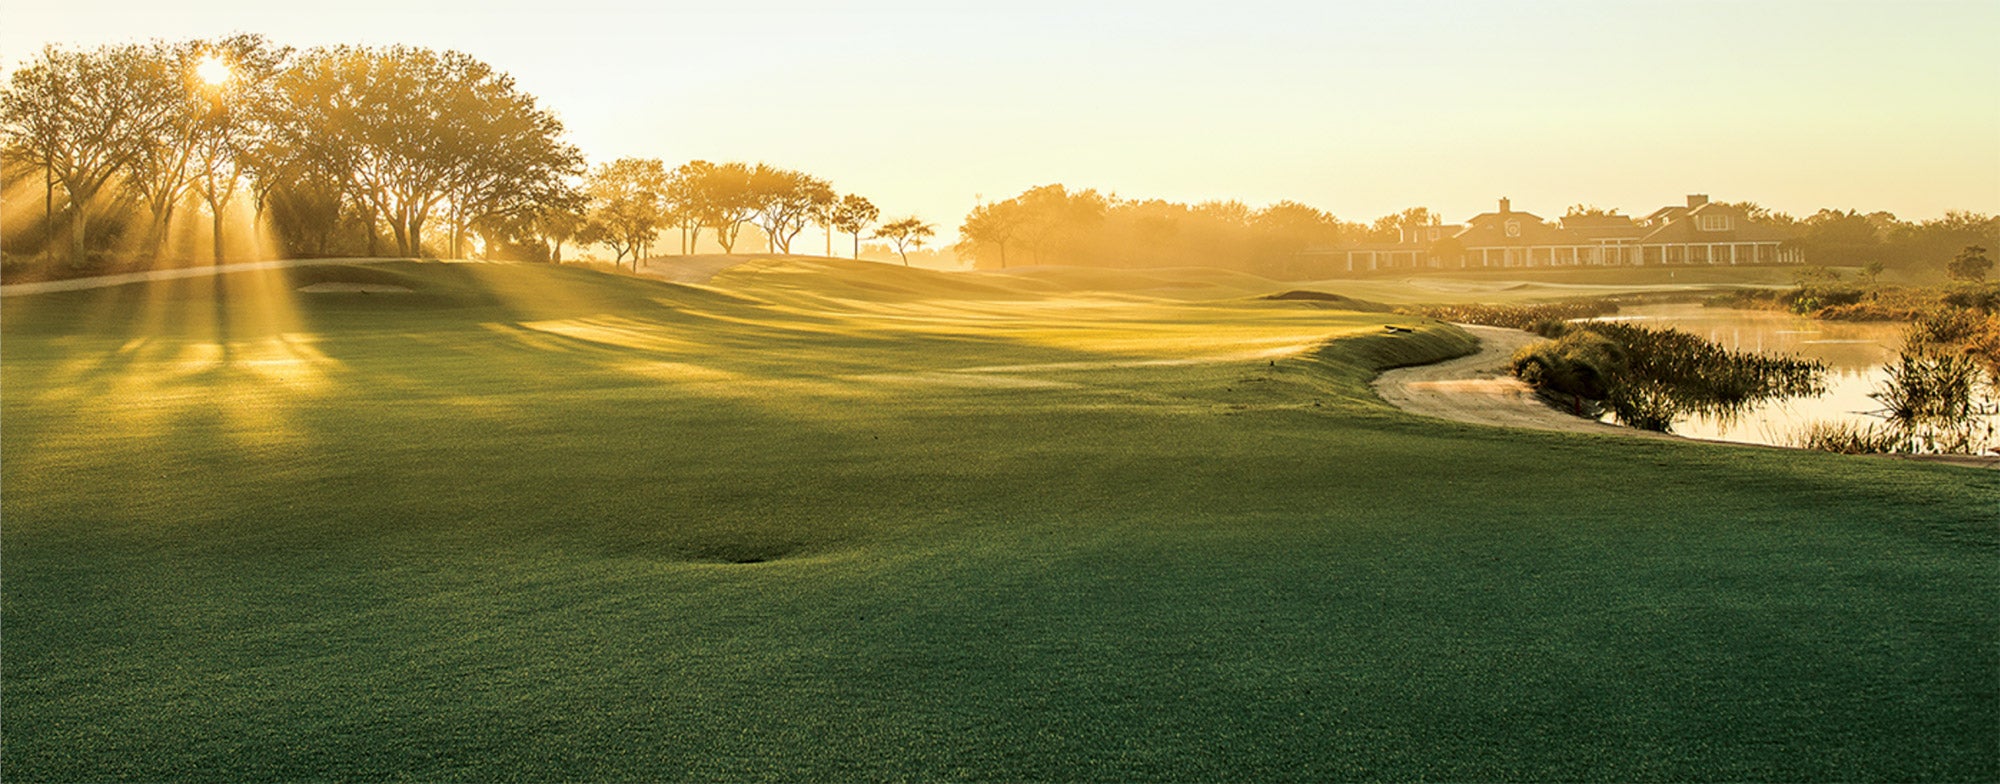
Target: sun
{"points": [[214, 71]]}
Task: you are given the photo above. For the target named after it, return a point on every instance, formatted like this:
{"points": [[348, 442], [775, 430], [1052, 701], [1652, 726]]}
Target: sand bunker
{"points": [[1479, 388], [330, 287]]}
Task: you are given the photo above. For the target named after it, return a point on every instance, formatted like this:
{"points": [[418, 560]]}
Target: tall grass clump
{"points": [[1848, 438], [1648, 377], [1937, 394]]}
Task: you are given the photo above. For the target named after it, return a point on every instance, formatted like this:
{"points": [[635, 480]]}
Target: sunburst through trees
{"points": [[346, 150]]}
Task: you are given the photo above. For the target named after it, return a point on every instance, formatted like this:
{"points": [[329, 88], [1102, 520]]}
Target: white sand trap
{"points": [[330, 287], [1495, 387], [1478, 388]]}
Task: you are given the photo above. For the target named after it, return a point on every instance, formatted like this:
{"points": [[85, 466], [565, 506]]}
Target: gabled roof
{"points": [[1420, 236], [1599, 227], [1688, 228], [1676, 224], [1489, 229], [1665, 214], [1580, 221]]}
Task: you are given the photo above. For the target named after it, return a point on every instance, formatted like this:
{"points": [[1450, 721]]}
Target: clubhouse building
{"points": [[1703, 232]]}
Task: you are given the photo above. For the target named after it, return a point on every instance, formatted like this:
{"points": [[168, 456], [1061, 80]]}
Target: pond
{"points": [[1854, 352]]}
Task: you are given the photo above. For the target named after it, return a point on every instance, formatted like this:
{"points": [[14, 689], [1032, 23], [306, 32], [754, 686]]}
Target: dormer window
{"points": [[1713, 223], [1513, 228]]}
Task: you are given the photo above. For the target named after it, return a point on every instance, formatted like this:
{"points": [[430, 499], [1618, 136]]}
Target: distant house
{"points": [[1703, 232]]}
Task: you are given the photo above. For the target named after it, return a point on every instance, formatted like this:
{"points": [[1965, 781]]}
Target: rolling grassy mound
{"points": [[831, 521], [1169, 282]]}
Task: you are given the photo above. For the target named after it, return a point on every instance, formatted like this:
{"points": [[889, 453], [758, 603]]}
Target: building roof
{"points": [[1675, 224], [1591, 228], [1687, 228], [1489, 229], [1664, 215]]}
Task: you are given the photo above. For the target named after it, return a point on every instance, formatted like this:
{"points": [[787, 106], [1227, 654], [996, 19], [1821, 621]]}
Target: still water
{"points": [[1854, 353]]}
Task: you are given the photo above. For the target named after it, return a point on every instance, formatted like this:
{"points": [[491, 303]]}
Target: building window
{"points": [[1713, 223], [1434, 235], [1513, 228]]}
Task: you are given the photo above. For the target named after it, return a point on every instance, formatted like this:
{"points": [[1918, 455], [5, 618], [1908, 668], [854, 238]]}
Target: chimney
{"points": [[1697, 199], [1507, 207]]}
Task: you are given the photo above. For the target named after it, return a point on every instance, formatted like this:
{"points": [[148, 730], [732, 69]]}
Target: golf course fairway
{"points": [[822, 520]]}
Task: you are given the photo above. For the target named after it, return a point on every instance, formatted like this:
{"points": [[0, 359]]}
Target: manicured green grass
{"points": [[843, 521]]}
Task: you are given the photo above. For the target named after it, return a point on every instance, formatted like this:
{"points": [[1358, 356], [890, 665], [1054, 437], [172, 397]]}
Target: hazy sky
{"points": [[1359, 108]]}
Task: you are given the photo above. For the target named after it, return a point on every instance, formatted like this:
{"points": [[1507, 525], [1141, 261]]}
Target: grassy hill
{"points": [[836, 520]]}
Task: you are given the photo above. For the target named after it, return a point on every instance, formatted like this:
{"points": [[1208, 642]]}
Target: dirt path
{"points": [[1477, 388]]}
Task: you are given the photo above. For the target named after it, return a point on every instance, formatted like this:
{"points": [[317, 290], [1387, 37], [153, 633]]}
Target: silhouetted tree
{"points": [[727, 201], [415, 128], [1832, 236], [86, 117], [1289, 227], [786, 201], [161, 168], [906, 233], [1394, 228], [558, 222], [990, 224], [628, 199], [1759, 214], [1053, 218], [687, 201], [1083, 227], [232, 127], [1970, 264], [853, 215]]}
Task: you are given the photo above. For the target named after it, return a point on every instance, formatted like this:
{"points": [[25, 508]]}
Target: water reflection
{"points": [[1855, 354]]}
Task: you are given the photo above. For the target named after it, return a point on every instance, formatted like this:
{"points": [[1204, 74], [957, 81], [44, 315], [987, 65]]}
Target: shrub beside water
{"points": [[1867, 311], [1531, 318], [1981, 298], [1745, 299], [1649, 377], [1807, 300], [1937, 395], [1576, 369], [1939, 389]]}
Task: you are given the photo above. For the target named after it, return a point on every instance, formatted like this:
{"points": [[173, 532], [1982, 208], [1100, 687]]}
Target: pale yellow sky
{"points": [[1359, 108]]}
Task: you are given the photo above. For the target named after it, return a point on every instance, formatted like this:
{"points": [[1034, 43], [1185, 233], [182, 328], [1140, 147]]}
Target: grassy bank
{"points": [[831, 520]]}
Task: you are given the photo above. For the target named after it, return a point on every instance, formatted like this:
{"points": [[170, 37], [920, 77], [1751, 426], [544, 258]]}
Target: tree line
{"points": [[347, 150], [1852, 238], [631, 201], [1053, 224]]}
